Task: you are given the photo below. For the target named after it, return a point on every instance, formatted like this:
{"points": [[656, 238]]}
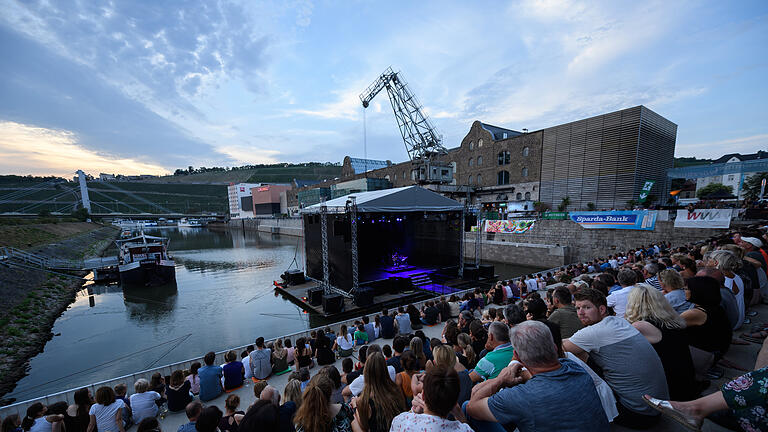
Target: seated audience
{"points": [[303, 355], [233, 370], [335, 377], [262, 416], [323, 352], [431, 407], [672, 285], [209, 419], [516, 399], [149, 424], [370, 328], [380, 400], [210, 378], [143, 401], [417, 348], [361, 336], [344, 344], [709, 332], [387, 325], [232, 417], [499, 353], [318, 413], [36, 419], [76, 417], [444, 357], [630, 364], [650, 313], [414, 316], [403, 379], [106, 413], [564, 313], [194, 378], [261, 361], [356, 386], [618, 299], [403, 322], [178, 392], [729, 264], [192, 410]]}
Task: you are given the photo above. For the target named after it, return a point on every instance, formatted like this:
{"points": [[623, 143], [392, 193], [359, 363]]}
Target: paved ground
{"points": [[743, 355]]}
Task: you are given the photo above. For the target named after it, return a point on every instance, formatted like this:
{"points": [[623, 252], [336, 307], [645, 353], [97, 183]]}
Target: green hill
{"points": [[275, 173]]}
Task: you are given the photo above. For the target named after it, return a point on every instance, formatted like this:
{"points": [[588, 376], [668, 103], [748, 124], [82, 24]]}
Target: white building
{"points": [[734, 171], [241, 200]]}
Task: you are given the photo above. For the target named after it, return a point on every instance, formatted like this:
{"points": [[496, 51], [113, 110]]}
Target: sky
{"points": [[146, 87]]}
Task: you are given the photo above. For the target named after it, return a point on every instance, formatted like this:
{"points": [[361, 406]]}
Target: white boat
{"points": [[190, 223]]}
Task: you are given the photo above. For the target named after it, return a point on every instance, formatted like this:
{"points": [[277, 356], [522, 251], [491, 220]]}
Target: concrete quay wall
{"points": [[291, 227], [555, 239]]}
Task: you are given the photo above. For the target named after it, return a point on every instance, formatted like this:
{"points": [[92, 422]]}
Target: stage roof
{"points": [[404, 199]]}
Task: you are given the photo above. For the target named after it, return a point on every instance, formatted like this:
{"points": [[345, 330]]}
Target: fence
{"points": [[20, 408]]}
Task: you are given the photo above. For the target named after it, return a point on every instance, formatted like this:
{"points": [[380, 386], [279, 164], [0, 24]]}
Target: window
{"points": [[504, 135], [502, 178], [526, 151], [404, 175], [527, 196], [471, 161], [479, 160], [479, 143], [395, 178], [730, 177], [479, 179], [470, 180], [504, 158], [471, 145], [525, 172], [519, 196]]}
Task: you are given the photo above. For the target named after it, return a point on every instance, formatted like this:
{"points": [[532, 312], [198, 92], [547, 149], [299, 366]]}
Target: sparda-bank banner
{"points": [[624, 219]]}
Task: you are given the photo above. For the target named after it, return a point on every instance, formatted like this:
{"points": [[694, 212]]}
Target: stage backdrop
{"points": [[703, 218]]}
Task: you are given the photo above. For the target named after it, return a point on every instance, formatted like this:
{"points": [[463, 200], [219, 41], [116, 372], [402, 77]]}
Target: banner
{"points": [[555, 215], [703, 218], [508, 226], [646, 190], [631, 219]]}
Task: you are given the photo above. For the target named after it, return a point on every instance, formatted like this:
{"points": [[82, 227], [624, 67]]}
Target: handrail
{"points": [[67, 395]]}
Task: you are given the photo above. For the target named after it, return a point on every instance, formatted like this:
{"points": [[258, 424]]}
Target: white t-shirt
{"points": [[356, 386], [607, 399], [508, 291], [411, 422], [532, 285], [143, 405], [106, 416], [614, 263], [41, 425], [618, 300], [345, 342], [729, 282]]}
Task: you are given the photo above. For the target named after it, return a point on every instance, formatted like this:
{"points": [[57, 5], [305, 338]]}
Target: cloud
{"points": [[27, 149], [715, 149]]}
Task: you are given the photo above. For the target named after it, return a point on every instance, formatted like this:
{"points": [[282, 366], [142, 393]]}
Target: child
{"points": [[361, 337], [121, 392], [193, 378]]}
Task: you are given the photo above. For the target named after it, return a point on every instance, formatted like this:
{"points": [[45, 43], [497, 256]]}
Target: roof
{"points": [[404, 199], [303, 183], [360, 165], [752, 156], [498, 133]]}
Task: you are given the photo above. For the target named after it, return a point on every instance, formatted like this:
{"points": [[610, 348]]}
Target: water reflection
{"points": [[150, 303]]}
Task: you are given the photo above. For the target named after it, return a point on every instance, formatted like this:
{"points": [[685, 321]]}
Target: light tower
{"points": [[84, 191]]}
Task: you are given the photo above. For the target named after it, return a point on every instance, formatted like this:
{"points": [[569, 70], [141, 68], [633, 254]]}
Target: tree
{"points": [[564, 204], [591, 206], [81, 214], [751, 186], [713, 188]]}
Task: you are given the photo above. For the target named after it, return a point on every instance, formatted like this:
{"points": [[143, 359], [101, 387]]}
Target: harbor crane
{"points": [[422, 142]]}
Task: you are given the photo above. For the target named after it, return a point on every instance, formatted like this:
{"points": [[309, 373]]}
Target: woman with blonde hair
{"points": [[317, 413], [652, 315], [380, 400], [672, 285], [292, 392], [445, 357]]}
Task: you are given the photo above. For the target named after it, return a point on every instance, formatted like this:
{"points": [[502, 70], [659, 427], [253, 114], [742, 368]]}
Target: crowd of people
{"points": [[622, 339]]}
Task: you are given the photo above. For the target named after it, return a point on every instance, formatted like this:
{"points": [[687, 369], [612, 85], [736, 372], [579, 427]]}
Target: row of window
{"points": [[504, 158], [502, 177]]}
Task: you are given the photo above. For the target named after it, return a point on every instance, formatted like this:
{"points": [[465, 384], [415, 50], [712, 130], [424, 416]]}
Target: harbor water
{"points": [[223, 297]]}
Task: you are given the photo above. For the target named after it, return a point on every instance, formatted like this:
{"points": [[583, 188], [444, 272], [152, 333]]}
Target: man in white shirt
{"points": [[618, 299], [531, 284], [247, 363], [613, 262]]}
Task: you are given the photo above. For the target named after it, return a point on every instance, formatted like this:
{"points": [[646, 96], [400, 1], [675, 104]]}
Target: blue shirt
{"points": [[233, 375], [187, 427], [530, 405], [210, 382], [371, 330], [387, 327]]}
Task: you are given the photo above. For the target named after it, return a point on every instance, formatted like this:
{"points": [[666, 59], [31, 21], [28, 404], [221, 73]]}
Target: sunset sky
{"points": [[147, 87]]}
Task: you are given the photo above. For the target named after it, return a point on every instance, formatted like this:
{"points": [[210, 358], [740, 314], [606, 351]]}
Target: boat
{"points": [[144, 261], [190, 223], [126, 234]]}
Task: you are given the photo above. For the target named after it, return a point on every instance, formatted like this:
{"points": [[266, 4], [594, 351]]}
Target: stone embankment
{"points": [[32, 299]]}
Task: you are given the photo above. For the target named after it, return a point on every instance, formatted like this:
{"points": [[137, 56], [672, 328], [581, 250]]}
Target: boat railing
{"points": [[20, 408]]}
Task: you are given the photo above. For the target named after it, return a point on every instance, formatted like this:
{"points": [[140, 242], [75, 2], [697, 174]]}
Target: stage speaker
{"points": [[449, 271], [471, 273], [315, 296], [397, 284], [486, 271], [364, 296], [333, 303], [293, 277]]}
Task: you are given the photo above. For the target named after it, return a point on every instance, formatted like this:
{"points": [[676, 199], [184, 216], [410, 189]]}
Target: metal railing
{"points": [[20, 408]]}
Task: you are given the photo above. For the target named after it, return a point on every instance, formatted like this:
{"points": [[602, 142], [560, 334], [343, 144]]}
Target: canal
{"points": [[223, 297]]}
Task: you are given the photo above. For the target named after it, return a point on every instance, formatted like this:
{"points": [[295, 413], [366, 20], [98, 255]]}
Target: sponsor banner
{"points": [[646, 190], [508, 226], [555, 215], [703, 218], [631, 219]]}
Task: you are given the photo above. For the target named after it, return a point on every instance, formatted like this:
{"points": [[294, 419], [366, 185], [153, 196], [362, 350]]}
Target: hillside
{"points": [[277, 173]]}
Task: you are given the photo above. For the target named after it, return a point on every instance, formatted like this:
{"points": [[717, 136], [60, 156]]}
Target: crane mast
{"points": [[422, 142]]}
